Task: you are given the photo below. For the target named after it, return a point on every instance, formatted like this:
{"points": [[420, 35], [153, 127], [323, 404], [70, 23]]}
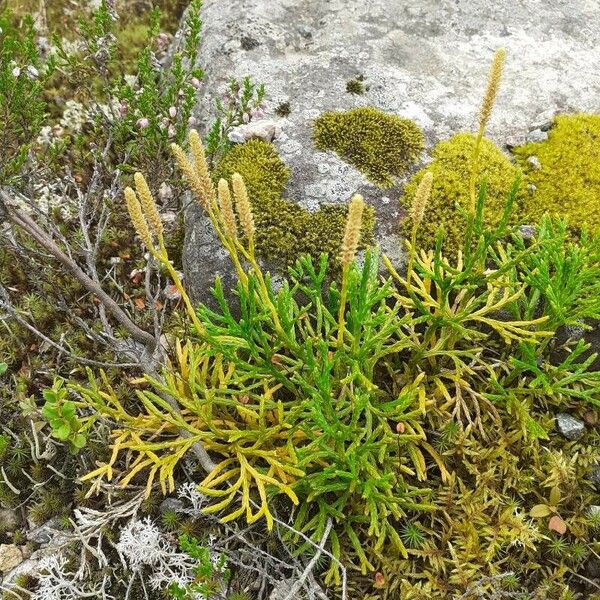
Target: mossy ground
{"points": [[568, 182], [451, 168], [380, 145], [284, 229], [61, 13]]}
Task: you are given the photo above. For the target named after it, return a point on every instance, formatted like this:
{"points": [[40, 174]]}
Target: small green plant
{"points": [[412, 535], [356, 85], [171, 520], [283, 110], [62, 418], [211, 573], [380, 145], [243, 101]]}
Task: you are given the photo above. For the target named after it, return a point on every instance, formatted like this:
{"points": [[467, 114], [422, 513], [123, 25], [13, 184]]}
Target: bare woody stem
{"points": [[27, 224]]}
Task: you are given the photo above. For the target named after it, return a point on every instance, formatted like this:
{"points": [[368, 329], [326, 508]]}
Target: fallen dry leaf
{"points": [[558, 525]]}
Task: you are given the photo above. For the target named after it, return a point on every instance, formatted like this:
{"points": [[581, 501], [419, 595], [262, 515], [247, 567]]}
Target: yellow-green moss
{"points": [[284, 229], [380, 145], [451, 168], [568, 182]]}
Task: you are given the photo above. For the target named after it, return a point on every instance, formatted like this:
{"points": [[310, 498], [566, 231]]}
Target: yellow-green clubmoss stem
{"points": [[474, 170], [411, 252], [342, 309], [163, 257], [230, 244], [264, 294]]}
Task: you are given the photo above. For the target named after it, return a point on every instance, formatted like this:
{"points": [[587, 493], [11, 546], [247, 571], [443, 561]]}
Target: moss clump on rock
{"points": [[567, 176], [451, 168], [380, 145], [285, 230]]}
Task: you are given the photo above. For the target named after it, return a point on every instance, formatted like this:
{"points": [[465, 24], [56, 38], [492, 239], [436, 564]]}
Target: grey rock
{"points": [[543, 121], [45, 534], [528, 231], [305, 31], [10, 557], [569, 426], [9, 520], [263, 129], [427, 62], [165, 192], [594, 476], [531, 188], [534, 161], [537, 135], [249, 43], [575, 332], [30, 565], [171, 505]]}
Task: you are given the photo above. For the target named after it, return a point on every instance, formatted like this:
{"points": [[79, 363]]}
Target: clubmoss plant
{"points": [[380, 145], [283, 438], [489, 99], [326, 404], [568, 182]]}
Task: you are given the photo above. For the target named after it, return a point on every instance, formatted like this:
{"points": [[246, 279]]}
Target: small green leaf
{"points": [[79, 441], [68, 410], [50, 412], [62, 433], [49, 395], [539, 511], [554, 497]]}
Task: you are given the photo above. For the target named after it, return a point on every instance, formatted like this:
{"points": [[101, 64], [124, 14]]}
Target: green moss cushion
{"points": [[380, 145], [568, 182], [451, 167], [285, 230]]}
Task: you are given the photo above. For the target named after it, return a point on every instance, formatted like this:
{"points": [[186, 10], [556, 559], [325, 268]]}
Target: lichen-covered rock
{"points": [[425, 61], [9, 520], [263, 129], [171, 505]]}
